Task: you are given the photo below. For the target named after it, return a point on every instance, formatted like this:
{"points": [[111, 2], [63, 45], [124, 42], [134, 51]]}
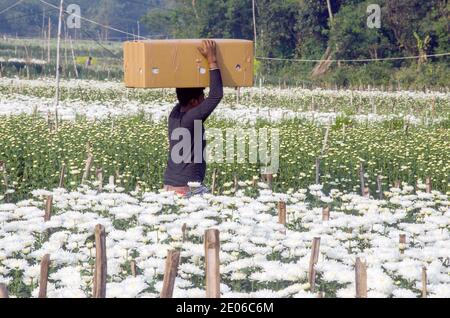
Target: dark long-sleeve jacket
{"points": [[186, 162]]}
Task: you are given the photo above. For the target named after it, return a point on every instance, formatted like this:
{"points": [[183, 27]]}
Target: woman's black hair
{"points": [[185, 95]]}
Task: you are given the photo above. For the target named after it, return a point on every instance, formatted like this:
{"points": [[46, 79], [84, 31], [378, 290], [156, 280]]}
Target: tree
{"points": [[354, 38]]}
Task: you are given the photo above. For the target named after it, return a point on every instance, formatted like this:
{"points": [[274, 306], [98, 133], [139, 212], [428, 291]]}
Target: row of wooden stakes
{"points": [[212, 263], [360, 267]]}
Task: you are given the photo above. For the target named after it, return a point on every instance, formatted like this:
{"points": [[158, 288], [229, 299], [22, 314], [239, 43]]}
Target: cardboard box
{"points": [[178, 63]]}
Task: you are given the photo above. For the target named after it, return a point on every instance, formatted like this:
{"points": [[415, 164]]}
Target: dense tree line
{"points": [[321, 29], [306, 29], [26, 19]]}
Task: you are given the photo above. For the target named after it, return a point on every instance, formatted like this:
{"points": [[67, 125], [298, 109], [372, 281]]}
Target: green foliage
{"points": [[303, 29], [285, 29], [342, 121]]}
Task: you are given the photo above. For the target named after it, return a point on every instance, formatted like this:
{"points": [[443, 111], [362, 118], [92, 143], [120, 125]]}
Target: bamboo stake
{"points": [[317, 170], [361, 177], [326, 213], [99, 290], [48, 208], [43, 33], [282, 212], [402, 242], [361, 279], [379, 188], [213, 185], [133, 268], [73, 57], [312, 262], [49, 34], [27, 61], [5, 177], [282, 215], [170, 273], [3, 291], [428, 184], [424, 282], [43, 279], [58, 61], [87, 167], [99, 173], [62, 175], [65, 49], [212, 263], [325, 140], [183, 229]]}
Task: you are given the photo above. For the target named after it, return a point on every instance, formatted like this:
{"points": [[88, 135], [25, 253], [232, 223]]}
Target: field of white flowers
{"points": [[259, 256], [398, 135], [99, 100]]}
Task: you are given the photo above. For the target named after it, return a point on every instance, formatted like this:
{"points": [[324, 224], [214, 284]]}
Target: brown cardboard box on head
{"points": [[178, 63]]}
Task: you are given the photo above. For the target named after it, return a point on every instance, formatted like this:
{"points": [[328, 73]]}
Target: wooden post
{"points": [[65, 50], [43, 279], [27, 61], [61, 175], [133, 268], [361, 279], [99, 174], [3, 171], [282, 212], [326, 213], [170, 273], [100, 262], [312, 262], [3, 291], [379, 188], [213, 184], [5, 178], [87, 167], [428, 184], [236, 185], [325, 140], [58, 62], [183, 229], [402, 242], [361, 177], [318, 170], [212, 263], [48, 208], [424, 282], [73, 58], [282, 215], [48, 39]]}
